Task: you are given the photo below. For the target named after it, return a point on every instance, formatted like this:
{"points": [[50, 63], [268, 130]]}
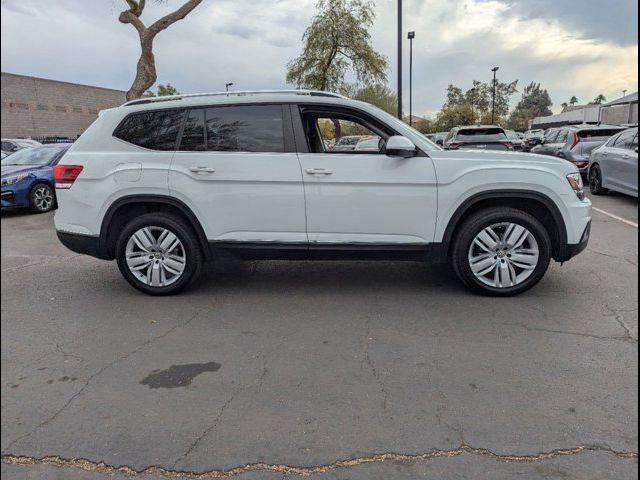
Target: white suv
{"points": [[164, 184]]}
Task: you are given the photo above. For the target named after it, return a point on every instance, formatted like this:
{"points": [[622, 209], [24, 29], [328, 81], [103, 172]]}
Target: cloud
{"points": [[570, 50]]}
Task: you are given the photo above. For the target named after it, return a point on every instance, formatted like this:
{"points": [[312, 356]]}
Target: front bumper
{"points": [[574, 249], [13, 198]]}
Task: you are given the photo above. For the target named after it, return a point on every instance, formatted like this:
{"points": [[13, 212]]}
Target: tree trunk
{"points": [[337, 129], [146, 69], [145, 73]]}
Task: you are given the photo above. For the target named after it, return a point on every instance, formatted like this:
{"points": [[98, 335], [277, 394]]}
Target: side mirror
{"points": [[440, 142], [398, 146]]}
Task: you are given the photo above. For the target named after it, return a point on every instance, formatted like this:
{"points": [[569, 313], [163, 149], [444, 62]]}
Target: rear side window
{"points": [[562, 136], [245, 128], [481, 135], [625, 139], [155, 130]]}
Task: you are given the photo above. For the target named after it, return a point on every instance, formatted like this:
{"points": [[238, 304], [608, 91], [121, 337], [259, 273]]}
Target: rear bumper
{"points": [[78, 243]]}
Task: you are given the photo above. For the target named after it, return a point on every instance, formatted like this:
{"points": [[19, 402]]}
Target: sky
{"points": [[572, 47]]}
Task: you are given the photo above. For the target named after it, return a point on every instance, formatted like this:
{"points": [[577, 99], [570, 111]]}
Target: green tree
{"points": [[163, 91], [453, 115], [573, 100], [479, 98], [599, 100], [146, 69], [535, 102], [338, 40], [376, 94], [564, 105]]}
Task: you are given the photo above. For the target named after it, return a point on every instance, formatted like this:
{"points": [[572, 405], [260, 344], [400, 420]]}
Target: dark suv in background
{"points": [[479, 137], [575, 142]]}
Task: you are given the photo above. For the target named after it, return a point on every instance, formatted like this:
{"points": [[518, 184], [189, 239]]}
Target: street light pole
{"points": [[624, 93], [411, 36], [400, 59], [473, 99], [227, 85], [493, 97]]}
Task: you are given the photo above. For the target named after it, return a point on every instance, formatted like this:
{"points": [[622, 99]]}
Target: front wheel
{"points": [[501, 252], [42, 198], [158, 254]]}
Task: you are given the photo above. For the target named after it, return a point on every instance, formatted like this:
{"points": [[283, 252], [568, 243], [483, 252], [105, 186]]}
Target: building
{"points": [[623, 111], [38, 108]]}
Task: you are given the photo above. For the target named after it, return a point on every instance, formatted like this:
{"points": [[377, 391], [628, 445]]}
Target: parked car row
{"points": [[575, 142]]}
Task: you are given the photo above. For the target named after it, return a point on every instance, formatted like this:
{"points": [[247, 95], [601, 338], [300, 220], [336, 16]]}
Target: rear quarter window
{"points": [[597, 135], [155, 130]]}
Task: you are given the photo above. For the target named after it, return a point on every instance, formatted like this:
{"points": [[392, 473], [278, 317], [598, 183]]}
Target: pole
{"points": [[493, 97], [411, 36], [400, 59]]}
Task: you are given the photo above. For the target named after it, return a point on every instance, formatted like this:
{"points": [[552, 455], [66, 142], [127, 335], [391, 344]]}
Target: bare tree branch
{"points": [[173, 17]]}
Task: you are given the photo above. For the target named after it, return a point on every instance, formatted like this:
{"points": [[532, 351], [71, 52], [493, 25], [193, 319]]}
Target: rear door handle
{"points": [[202, 170], [318, 171]]}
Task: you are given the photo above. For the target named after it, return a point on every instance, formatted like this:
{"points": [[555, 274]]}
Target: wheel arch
{"points": [[125, 208], [535, 203]]}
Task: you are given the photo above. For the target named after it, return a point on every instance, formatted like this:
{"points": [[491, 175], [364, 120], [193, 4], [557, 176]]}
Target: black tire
{"points": [[480, 220], [191, 248], [42, 198], [595, 181]]}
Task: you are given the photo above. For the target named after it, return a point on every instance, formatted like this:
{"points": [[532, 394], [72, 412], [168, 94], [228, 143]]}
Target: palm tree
{"points": [[573, 100], [599, 99], [564, 105]]}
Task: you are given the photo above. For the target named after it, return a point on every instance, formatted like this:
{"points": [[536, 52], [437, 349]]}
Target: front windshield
{"points": [[32, 156]]}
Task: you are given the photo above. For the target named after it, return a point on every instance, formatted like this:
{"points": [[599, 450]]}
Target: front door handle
{"points": [[202, 170], [318, 171]]}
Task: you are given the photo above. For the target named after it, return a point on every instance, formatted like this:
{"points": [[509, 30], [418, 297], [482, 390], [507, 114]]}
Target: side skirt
{"points": [[323, 251]]}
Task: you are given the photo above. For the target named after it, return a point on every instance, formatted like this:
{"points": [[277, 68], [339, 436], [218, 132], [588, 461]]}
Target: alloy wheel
{"points": [[43, 198], [155, 256], [503, 255]]}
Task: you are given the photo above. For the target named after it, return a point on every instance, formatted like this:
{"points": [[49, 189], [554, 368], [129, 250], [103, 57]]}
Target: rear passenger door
{"points": [[622, 161], [236, 167]]}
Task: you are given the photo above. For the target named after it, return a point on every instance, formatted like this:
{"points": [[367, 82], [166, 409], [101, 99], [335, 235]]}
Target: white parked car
{"points": [[165, 184]]}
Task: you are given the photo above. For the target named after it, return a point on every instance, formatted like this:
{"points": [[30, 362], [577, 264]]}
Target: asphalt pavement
{"points": [[336, 370]]}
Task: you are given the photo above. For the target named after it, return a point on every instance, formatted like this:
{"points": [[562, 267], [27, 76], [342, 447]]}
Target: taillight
{"points": [[576, 140], [65, 175]]}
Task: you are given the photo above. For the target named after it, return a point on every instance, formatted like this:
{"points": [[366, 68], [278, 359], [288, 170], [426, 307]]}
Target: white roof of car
{"points": [[236, 97]]}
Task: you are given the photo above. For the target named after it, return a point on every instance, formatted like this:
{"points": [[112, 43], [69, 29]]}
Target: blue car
{"points": [[27, 178]]}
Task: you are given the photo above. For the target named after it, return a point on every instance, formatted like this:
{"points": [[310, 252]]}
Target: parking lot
{"points": [[338, 370]]}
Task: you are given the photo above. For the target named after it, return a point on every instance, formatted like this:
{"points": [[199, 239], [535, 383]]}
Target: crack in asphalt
{"points": [[623, 338], [97, 374], [463, 449], [617, 314], [372, 366], [46, 261], [216, 421]]}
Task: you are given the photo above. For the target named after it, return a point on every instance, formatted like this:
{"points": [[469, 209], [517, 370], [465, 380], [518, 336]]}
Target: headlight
{"points": [[575, 180], [14, 179]]}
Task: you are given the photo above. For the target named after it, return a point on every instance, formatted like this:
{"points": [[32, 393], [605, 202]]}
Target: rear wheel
{"points": [[42, 198], [501, 252], [158, 254], [595, 181]]}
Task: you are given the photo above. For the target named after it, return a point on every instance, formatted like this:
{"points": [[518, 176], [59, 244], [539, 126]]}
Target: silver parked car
{"points": [[614, 165], [575, 142]]}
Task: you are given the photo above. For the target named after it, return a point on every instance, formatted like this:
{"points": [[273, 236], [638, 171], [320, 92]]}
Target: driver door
{"points": [[363, 196]]}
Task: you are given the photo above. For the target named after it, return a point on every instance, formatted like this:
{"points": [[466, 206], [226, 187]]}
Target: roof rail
{"points": [[167, 98]]}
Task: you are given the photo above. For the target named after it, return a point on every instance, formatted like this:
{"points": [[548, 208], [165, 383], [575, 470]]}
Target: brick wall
{"points": [[36, 107]]}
